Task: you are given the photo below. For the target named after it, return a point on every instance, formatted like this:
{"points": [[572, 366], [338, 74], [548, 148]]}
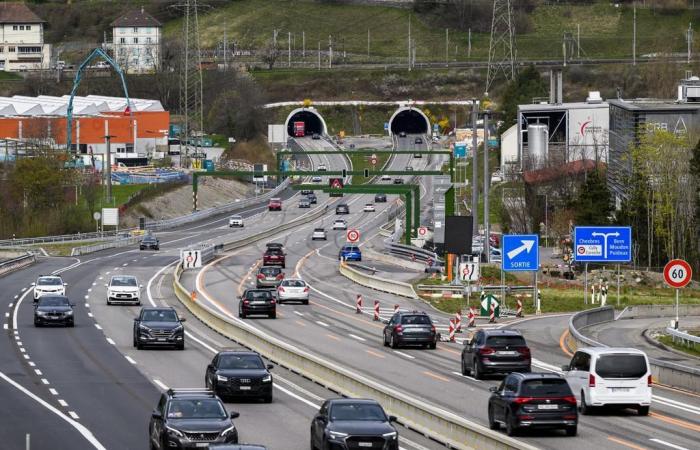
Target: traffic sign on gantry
{"points": [[603, 244]]}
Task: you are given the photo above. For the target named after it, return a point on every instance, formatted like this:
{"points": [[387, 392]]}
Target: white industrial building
{"points": [[58, 106], [22, 44], [136, 42]]}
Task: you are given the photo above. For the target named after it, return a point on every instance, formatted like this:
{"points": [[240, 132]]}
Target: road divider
{"points": [[377, 283], [16, 263]]}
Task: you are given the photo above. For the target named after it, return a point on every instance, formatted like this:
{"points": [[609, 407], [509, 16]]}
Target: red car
{"points": [[274, 255], [275, 204]]}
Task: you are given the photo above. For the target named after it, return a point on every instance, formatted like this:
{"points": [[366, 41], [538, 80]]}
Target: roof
{"points": [[561, 106], [608, 350], [553, 173], [353, 400], [136, 18], [18, 13], [502, 332], [650, 104], [538, 375]]}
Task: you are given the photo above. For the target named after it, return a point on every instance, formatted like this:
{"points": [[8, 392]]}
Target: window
{"points": [[122, 40], [621, 366], [149, 40], [11, 49], [29, 27], [21, 27], [2, 49], [511, 384], [14, 27], [503, 341], [581, 361], [136, 30], [136, 40], [545, 386]]}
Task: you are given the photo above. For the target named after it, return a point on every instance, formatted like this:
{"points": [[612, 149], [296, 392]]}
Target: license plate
{"points": [[257, 303], [161, 339], [244, 388], [619, 389], [364, 444], [202, 444], [547, 406], [507, 353]]}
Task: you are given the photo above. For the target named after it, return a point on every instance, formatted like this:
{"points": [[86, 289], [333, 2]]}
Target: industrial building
{"points": [[136, 130]]}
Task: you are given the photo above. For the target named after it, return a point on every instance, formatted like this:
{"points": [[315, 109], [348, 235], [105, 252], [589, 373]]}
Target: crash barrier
{"points": [[377, 283], [641, 311], [412, 253], [115, 243], [437, 423], [685, 338], [393, 260], [17, 263], [666, 372], [61, 238]]}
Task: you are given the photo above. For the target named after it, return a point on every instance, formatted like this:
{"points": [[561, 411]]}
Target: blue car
{"points": [[350, 253]]}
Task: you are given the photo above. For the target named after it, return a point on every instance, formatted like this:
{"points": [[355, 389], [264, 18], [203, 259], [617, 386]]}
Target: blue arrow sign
{"points": [[386, 126], [603, 244], [520, 252]]}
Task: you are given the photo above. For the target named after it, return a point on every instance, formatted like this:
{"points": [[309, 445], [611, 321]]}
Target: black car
{"points": [[306, 191], [410, 328], [149, 243], [418, 140], [237, 447], [53, 310], [398, 180], [257, 301], [346, 423], [312, 198], [342, 208], [159, 326], [533, 400], [235, 373], [495, 351], [190, 418], [380, 198]]}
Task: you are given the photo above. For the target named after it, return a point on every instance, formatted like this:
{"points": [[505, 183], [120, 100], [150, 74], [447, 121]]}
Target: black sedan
{"points": [[53, 310], [533, 400], [380, 198], [257, 301], [149, 243], [346, 423], [239, 374], [410, 328]]}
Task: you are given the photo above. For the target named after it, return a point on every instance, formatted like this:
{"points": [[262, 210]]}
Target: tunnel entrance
{"points": [[313, 122], [410, 121]]}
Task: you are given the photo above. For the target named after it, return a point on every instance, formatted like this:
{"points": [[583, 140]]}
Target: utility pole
{"points": [[108, 167], [319, 55], [502, 53], [409, 42], [447, 46], [469, 45], [303, 44], [578, 41], [368, 41], [225, 49], [330, 52], [475, 169], [487, 181], [634, 35], [690, 41], [289, 49], [563, 49]]}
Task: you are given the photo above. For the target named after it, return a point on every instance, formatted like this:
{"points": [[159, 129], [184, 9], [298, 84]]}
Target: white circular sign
{"points": [[373, 160], [97, 215], [353, 235], [422, 231]]}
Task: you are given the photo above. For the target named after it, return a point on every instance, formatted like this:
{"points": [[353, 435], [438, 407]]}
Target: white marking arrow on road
{"points": [[527, 246]]}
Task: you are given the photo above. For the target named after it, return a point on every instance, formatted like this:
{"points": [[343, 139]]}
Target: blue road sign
{"points": [[386, 126], [603, 244], [460, 150], [520, 252]]}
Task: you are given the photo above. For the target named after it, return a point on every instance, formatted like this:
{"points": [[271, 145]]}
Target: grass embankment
{"points": [[693, 349], [362, 162]]}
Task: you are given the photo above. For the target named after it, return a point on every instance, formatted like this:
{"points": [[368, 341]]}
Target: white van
{"points": [[608, 376]]}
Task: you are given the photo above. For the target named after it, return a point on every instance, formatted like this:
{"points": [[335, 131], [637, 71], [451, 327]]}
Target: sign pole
{"points": [[537, 297], [585, 283], [618, 285], [503, 288], [677, 318]]}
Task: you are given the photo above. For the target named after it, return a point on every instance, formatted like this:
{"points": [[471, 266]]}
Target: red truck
{"points": [[299, 130]]}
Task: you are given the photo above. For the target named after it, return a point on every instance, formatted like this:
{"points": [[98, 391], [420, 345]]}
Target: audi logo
{"points": [[245, 380]]}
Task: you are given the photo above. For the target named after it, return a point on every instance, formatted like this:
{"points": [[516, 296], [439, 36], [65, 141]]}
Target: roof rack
{"points": [[177, 392]]}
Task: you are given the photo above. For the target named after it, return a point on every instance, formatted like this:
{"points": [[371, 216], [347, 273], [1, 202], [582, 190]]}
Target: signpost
{"points": [[96, 215], [469, 271], [422, 231], [335, 183], [521, 253], [373, 159], [677, 274], [353, 235], [191, 259]]}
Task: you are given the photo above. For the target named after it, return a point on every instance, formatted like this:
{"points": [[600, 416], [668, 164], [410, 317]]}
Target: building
{"points": [[630, 118], [22, 45], [136, 42]]}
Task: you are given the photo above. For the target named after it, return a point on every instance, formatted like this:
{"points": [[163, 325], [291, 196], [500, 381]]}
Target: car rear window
{"points": [[319, 230], [351, 249], [258, 295], [293, 283], [502, 341], [415, 320], [274, 251], [621, 366], [270, 270], [545, 387]]}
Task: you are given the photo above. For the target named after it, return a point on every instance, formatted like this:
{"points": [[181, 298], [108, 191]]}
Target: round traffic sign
{"points": [[353, 235], [373, 160], [677, 273], [97, 215], [422, 231]]}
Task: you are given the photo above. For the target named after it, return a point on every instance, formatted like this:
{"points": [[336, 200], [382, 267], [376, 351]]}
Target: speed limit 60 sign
{"points": [[353, 235], [677, 273]]}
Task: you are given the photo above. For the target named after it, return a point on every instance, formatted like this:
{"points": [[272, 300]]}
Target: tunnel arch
{"points": [[313, 121], [410, 120]]}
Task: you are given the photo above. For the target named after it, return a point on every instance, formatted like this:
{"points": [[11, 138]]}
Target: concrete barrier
{"points": [[17, 263], [377, 283], [641, 311]]}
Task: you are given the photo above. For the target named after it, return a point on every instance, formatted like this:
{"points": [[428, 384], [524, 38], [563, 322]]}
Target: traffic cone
{"points": [[193, 296], [358, 304]]}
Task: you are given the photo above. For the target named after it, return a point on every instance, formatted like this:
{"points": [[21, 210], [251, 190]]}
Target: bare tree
{"points": [[270, 54]]}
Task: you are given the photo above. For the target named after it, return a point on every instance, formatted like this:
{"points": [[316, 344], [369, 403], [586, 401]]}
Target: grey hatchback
{"points": [[269, 276]]}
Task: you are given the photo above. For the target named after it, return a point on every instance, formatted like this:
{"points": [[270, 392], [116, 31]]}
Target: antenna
{"points": [[502, 52]]}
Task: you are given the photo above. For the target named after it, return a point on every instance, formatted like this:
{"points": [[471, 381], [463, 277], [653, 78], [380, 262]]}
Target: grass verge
{"points": [[362, 162], [693, 349]]}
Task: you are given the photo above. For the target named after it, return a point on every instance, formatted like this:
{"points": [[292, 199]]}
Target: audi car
{"points": [[53, 310], [234, 373], [160, 326], [347, 423]]}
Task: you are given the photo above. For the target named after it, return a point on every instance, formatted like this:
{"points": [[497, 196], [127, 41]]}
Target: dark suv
{"points": [[159, 326], [274, 255], [149, 242], [529, 400], [190, 418], [343, 208], [239, 374], [495, 351], [410, 328], [347, 423], [257, 301]]}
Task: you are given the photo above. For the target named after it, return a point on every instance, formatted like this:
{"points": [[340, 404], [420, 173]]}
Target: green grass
{"points": [[362, 162], [10, 76], [120, 195], [693, 349]]}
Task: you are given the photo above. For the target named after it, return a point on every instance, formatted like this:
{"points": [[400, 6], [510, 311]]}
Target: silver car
{"points": [[269, 276], [319, 233], [293, 289]]}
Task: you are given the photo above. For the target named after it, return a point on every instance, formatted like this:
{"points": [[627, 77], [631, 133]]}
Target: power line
{"points": [[502, 52]]}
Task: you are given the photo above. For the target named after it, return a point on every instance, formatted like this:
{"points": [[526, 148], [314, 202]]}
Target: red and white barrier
{"points": [[358, 304], [458, 321], [413, 258], [472, 317], [519, 312], [452, 330], [376, 310], [396, 308], [492, 314]]}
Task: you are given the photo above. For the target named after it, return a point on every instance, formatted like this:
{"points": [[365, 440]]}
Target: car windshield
{"points": [[319, 230], [149, 239], [503, 341], [415, 320], [270, 271], [166, 315], [196, 409], [258, 295], [124, 281], [53, 301], [545, 387], [621, 366], [357, 411], [49, 281], [236, 217], [293, 283], [240, 362]]}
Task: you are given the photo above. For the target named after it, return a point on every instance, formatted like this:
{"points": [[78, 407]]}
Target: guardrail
{"points": [[115, 243], [60, 238], [16, 263], [377, 283], [665, 372], [410, 251], [432, 421], [685, 338]]}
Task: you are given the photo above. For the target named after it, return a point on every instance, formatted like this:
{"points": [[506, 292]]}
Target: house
{"points": [[136, 42], [22, 39]]}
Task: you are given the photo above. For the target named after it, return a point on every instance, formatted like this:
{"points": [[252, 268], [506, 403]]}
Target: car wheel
{"points": [[432, 346], [384, 341], [571, 431], [134, 341], [393, 342], [643, 410], [476, 372], [70, 324], [139, 346], [305, 302], [465, 372], [584, 408], [511, 429], [312, 446], [37, 324], [492, 423]]}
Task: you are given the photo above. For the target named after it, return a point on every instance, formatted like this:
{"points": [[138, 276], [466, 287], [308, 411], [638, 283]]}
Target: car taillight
{"points": [[280, 289], [432, 328], [261, 276], [306, 289], [280, 276], [570, 417], [591, 380], [569, 399], [525, 351], [649, 381], [272, 302], [522, 400], [398, 328], [245, 302], [486, 351]]}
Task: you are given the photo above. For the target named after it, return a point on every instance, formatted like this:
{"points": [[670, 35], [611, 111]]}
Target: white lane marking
{"points": [[22, 290], [94, 284], [4, 326], [97, 325], [87, 297], [45, 381], [90, 314], [323, 324], [292, 394], [667, 444], [63, 402], [19, 302], [361, 339], [18, 342], [467, 377], [125, 264], [31, 363], [102, 278], [160, 384], [38, 372], [405, 355], [16, 296], [26, 356], [87, 305], [7, 315], [298, 313], [73, 415], [21, 349], [79, 427], [130, 359], [53, 391], [10, 305], [111, 341], [106, 273]]}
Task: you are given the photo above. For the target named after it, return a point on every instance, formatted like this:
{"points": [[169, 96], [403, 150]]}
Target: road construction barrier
{"points": [[458, 321], [396, 308], [492, 314], [519, 312], [376, 310], [452, 330], [377, 283], [358, 304], [471, 317]]}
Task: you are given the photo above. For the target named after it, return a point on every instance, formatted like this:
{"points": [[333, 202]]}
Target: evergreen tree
{"points": [[593, 205], [527, 85]]}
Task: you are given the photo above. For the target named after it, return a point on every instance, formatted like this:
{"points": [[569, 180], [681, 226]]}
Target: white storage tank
{"points": [[537, 145]]}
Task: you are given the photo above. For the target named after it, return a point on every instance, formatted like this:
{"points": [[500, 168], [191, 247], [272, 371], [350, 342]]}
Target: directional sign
{"points": [[603, 244], [677, 273], [469, 271], [353, 235], [191, 259], [386, 126], [520, 252]]}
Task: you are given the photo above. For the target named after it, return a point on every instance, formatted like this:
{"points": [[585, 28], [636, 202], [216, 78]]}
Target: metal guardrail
{"points": [[682, 336], [60, 238], [377, 283], [410, 251], [16, 263], [115, 243]]}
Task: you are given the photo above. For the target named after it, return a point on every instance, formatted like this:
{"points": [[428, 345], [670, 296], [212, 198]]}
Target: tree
{"points": [[270, 54], [527, 85], [593, 206]]}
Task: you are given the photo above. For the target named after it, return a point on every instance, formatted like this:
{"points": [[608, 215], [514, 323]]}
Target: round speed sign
{"points": [[373, 160], [677, 273]]}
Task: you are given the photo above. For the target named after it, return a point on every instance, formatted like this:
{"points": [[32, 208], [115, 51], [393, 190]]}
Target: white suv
{"points": [[49, 285], [609, 376], [123, 289], [235, 221]]}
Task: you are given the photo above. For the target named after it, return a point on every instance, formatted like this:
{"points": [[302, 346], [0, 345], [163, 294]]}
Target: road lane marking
{"points": [[361, 339], [405, 355], [160, 384], [63, 402], [300, 323], [674, 421], [87, 305], [668, 444], [31, 363], [53, 391], [130, 359], [335, 338], [111, 341], [38, 372], [298, 313], [97, 325], [89, 314], [626, 443], [562, 343], [45, 381], [73, 415], [436, 376], [378, 355], [19, 302], [323, 324]]}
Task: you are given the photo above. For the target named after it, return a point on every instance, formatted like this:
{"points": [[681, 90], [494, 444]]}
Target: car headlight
{"points": [[228, 430], [41, 313], [178, 328], [267, 379], [391, 435], [69, 313], [174, 431], [144, 328], [337, 435], [222, 379]]}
